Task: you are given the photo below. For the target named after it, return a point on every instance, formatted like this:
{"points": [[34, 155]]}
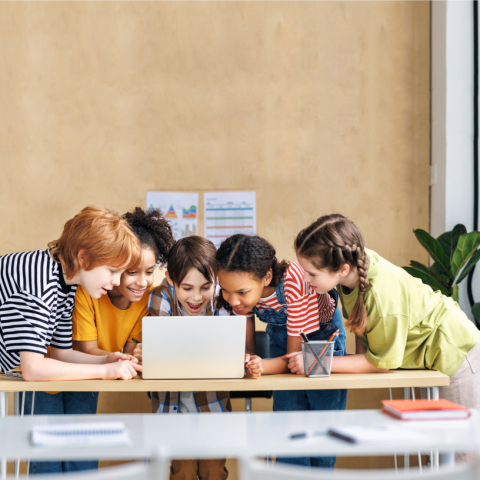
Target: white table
{"points": [[237, 434], [424, 379]]}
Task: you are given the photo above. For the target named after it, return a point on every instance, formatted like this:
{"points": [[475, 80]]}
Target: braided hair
{"points": [[330, 242], [250, 254], [153, 231]]}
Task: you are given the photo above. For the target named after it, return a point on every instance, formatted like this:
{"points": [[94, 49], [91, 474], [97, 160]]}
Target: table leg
{"points": [[31, 413], [3, 413], [425, 393], [436, 454], [19, 411], [406, 458], [447, 459]]}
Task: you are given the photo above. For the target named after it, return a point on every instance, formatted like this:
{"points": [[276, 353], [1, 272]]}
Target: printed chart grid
{"points": [[228, 213]]}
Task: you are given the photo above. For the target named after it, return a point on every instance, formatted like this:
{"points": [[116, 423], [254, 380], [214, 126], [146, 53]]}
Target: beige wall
{"points": [[317, 106]]}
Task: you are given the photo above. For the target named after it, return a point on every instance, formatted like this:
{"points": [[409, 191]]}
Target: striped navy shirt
{"points": [[35, 306]]}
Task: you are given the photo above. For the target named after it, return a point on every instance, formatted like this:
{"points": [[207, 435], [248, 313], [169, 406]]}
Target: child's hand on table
{"points": [[121, 369], [137, 352], [295, 363], [119, 356], [253, 365]]}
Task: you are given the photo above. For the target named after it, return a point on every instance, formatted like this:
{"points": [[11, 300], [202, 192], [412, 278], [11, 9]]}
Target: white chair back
{"points": [[252, 469], [158, 468]]}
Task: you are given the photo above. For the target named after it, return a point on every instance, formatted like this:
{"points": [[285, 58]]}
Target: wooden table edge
{"points": [[391, 379]]}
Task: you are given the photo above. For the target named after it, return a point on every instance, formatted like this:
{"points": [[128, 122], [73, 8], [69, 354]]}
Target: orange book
{"points": [[425, 409]]}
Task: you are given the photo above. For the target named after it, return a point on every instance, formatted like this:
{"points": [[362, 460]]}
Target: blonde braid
{"points": [[362, 268], [331, 242], [358, 319]]}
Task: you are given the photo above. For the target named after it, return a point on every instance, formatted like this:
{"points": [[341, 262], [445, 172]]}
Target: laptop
{"points": [[193, 347]]}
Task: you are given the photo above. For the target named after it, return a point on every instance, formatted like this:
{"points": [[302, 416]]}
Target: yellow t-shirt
{"points": [[410, 326], [98, 319]]}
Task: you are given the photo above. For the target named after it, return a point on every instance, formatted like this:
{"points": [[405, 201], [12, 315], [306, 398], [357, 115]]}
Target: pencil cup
{"points": [[317, 358]]}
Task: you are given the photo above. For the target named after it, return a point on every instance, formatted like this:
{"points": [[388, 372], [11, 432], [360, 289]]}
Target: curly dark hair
{"points": [[153, 231], [251, 254]]}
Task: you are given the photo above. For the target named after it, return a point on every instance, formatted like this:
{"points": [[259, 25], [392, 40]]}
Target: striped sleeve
{"points": [[25, 324], [305, 309], [326, 307], [302, 309], [35, 306]]}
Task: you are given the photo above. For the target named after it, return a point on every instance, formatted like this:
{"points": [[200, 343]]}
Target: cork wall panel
{"points": [[317, 106]]}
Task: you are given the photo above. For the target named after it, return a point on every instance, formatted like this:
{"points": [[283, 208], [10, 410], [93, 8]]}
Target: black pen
{"points": [[307, 434], [135, 340]]}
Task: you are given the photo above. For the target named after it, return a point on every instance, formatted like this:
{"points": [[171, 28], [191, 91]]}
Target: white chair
{"points": [[158, 468], [253, 469]]}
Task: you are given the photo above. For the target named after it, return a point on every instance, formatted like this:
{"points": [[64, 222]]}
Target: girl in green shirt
{"points": [[399, 322]]}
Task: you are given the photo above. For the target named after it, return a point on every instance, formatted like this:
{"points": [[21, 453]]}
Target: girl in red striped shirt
{"points": [[254, 282]]}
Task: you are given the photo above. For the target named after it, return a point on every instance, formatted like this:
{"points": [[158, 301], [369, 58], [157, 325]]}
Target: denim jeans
{"points": [[291, 400], [69, 403]]}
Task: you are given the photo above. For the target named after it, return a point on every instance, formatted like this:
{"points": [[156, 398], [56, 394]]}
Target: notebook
{"points": [[80, 434], [425, 409], [378, 435]]}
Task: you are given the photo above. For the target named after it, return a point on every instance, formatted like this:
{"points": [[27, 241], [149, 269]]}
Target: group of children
{"points": [[100, 274]]}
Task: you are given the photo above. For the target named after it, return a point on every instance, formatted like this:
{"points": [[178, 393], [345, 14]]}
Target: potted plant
{"points": [[454, 255]]}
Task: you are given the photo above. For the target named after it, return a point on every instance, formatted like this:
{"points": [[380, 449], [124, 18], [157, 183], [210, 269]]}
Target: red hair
{"points": [[105, 238]]}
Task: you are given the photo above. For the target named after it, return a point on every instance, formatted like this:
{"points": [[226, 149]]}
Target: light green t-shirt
{"points": [[409, 325]]}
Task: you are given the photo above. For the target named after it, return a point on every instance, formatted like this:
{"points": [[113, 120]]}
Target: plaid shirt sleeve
{"points": [[205, 402]]}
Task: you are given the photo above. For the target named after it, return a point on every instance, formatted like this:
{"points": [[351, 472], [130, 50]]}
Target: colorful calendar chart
{"points": [[227, 213], [181, 210]]}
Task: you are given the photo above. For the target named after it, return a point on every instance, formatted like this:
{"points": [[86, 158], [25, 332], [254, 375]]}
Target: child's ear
{"points": [[345, 269], [167, 276], [268, 278], [81, 258]]}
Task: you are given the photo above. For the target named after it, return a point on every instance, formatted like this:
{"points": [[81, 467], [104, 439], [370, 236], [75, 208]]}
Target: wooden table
{"points": [[390, 379]]}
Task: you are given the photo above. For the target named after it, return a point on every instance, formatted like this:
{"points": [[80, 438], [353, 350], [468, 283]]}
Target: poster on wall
{"points": [[227, 213], [180, 209]]}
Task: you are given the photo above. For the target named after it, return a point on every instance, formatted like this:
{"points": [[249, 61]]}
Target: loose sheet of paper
{"points": [[227, 213], [180, 209]]}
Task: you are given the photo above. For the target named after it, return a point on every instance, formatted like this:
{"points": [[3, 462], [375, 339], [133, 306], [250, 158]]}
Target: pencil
{"points": [[322, 354]]}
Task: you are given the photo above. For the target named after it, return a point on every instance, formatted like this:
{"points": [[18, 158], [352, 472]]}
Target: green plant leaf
{"points": [[449, 240], [439, 270], [466, 247], [427, 279], [443, 279], [471, 263], [455, 292], [433, 247], [476, 312]]}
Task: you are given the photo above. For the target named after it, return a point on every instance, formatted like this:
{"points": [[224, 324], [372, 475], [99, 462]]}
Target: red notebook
{"points": [[425, 409]]}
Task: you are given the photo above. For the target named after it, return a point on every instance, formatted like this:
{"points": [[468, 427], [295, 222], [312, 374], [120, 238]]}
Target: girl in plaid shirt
{"points": [[190, 289]]}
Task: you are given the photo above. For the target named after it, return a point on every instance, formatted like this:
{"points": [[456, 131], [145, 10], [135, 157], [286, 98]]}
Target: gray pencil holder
{"points": [[317, 358]]}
